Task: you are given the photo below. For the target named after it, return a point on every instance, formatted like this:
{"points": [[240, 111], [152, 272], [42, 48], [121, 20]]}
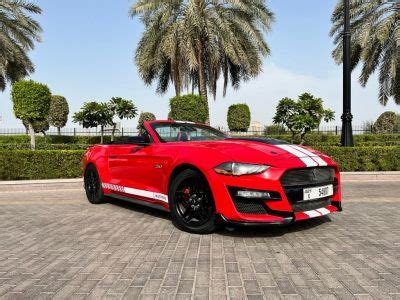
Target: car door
{"points": [[139, 169]]}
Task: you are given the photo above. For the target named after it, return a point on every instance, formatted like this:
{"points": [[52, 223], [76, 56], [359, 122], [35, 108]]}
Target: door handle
{"points": [[136, 149]]}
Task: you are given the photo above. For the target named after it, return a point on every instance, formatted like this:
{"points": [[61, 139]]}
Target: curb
{"points": [[369, 176], [345, 176], [41, 182]]}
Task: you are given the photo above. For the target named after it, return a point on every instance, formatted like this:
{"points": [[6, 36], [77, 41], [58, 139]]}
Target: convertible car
{"points": [[205, 178]]}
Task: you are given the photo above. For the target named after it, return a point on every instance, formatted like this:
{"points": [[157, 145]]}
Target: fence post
{"points": [[372, 129], [122, 131], [336, 130], [74, 131]]}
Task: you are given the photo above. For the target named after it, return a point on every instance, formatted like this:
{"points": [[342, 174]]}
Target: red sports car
{"points": [[204, 177]]}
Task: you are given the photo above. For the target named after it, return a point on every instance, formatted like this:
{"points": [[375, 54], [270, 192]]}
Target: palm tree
{"points": [[375, 42], [192, 43], [17, 36]]}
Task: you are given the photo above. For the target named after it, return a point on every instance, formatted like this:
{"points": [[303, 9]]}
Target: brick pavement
{"points": [[53, 244]]}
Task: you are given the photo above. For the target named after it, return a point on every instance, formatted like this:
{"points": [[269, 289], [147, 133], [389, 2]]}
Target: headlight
{"points": [[238, 169]]}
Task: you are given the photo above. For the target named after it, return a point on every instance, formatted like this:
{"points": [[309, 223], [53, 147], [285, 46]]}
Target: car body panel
{"points": [[144, 172]]}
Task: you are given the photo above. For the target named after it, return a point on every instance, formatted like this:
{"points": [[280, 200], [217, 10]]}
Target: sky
{"points": [[88, 48]]}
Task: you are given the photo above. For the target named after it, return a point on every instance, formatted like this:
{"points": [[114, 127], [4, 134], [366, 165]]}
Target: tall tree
{"points": [[31, 103], [18, 34], [122, 109], [375, 42], [192, 43], [303, 115], [94, 114], [59, 111]]}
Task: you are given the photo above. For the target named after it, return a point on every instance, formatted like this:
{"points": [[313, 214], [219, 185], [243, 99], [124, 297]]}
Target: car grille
{"points": [[249, 206], [307, 177], [294, 181]]}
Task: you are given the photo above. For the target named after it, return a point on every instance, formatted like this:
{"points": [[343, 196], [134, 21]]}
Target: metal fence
{"points": [[129, 131]]}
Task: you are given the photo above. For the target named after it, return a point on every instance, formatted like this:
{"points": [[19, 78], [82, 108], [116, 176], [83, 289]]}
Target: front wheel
{"points": [[93, 188], [191, 203]]}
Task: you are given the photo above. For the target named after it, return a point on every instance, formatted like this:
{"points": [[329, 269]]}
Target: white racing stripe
{"points": [[317, 213], [315, 157], [312, 213], [323, 211], [308, 158], [308, 161], [136, 192]]}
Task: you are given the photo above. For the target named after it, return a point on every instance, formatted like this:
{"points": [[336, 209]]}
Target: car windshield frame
{"points": [[218, 134]]}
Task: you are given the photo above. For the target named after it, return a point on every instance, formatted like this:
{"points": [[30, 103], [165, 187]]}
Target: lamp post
{"points": [[347, 117]]}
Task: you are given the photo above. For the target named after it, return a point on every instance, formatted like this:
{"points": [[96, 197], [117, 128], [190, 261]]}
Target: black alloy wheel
{"points": [[191, 203], [94, 191]]}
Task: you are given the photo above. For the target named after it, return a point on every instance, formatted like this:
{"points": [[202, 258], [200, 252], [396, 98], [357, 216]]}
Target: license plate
{"points": [[317, 192]]}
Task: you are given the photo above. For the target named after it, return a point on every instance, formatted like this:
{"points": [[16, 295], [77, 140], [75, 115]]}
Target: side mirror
{"points": [[143, 140]]}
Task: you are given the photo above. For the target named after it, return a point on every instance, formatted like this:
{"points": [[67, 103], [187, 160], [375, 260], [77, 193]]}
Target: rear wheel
{"points": [[94, 191], [191, 203]]}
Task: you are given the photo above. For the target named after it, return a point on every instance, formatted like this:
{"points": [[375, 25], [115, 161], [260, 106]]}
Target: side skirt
{"points": [[139, 202]]}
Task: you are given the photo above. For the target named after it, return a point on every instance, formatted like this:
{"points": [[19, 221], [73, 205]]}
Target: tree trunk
{"points": [[32, 134], [59, 130], [113, 132], [302, 141], [101, 134], [293, 137], [202, 78]]}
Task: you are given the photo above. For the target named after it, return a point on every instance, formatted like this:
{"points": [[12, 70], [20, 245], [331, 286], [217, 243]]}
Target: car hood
{"points": [[261, 151]]}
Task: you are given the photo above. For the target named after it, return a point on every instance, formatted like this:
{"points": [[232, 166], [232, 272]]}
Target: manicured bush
{"points": [[44, 146], [145, 117], [274, 129], [386, 123], [31, 102], [364, 158], [192, 108], [53, 139], [40, 164], [58, 114], [239, 117], [49, 164]]}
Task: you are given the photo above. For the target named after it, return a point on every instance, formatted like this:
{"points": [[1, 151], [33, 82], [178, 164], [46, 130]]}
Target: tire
{"points": [[93, 188], [191, 203]]}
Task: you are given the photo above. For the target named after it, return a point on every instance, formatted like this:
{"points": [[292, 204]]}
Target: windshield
{"points": [[185, 132]]}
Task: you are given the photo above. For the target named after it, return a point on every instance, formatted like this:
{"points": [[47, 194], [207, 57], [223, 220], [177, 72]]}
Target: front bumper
{"points": [[278, 212]]}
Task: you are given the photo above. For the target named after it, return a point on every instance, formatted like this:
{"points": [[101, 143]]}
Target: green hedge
{"points": [[40, 164], [44, 146], [53, 139], [364, 158]]}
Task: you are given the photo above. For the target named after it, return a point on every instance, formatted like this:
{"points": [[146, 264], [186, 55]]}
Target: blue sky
{"points": [[88, 47]]}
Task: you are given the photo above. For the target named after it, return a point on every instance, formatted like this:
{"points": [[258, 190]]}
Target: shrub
{"points": [[44, 146], [274, 129], [31, 102], [40, 164], [386, 123], [53, 139], [58, 114], [145, 117], [51, 164], [192, 108], [364, 158], [238, 117]]}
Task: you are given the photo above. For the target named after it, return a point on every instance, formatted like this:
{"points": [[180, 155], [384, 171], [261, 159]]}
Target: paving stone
{"points": [[58, 246]]}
